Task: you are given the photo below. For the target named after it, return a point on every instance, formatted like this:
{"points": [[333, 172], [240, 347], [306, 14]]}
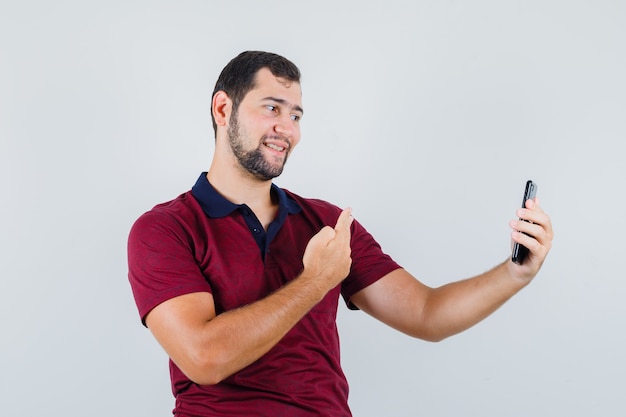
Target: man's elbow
{"points": [[431, 335], [202, 378], [205, 369], [435, 338]]}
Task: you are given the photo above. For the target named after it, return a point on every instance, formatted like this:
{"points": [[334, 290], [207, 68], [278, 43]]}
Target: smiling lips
{"points": [[276, 147]]}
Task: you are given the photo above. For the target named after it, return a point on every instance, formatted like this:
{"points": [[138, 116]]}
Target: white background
{"points": [[426, 117]]}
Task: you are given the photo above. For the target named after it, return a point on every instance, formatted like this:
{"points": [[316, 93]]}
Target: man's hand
{"points": [[404, 303], [536, 234], [327, 255]]}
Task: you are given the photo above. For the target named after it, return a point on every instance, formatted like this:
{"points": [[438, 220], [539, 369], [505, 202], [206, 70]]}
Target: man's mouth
{"points": [[275, 147], [276, 144]]}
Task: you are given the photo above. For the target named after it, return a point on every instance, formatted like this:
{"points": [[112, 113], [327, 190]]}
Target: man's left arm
{"points": [[406, 304]]}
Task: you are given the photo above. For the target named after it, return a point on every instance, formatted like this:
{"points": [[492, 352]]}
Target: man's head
{"points": [[256, 109], [238, 76]]}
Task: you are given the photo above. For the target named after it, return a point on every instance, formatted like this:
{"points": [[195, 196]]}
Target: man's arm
{"points": [[404, 303], [209, 347]]}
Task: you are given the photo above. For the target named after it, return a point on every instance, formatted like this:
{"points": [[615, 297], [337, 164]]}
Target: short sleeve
{"points": [[161, 262], [369, 263]]}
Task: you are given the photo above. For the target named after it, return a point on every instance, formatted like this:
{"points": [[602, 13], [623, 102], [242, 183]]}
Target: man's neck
{"points": [[240, 188], [254, 193]]}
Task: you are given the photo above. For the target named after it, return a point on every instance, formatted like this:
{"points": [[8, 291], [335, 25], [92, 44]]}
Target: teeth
{"points": [[275, 147]]}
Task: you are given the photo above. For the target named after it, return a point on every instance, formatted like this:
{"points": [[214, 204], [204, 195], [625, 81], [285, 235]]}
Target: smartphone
{"points": [[520, 251]]}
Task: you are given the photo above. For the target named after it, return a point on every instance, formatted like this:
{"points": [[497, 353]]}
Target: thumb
{"points": [[345, 220], [324, 236]]}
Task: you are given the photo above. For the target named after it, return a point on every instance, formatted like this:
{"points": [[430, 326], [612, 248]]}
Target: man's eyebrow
{"points": [[285, 103]]}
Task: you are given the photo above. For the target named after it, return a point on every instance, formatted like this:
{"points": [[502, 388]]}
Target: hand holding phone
{"points": [[520, 251]]}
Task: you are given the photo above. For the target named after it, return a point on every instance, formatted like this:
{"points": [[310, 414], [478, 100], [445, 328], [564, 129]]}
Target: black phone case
{"points": [[520, 251]]}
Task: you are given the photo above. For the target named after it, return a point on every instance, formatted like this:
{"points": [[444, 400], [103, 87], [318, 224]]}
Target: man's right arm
{"points": [[208, 347]]}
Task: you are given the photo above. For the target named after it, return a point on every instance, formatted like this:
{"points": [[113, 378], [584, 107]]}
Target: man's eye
{"points": [[271, 108], [295, 117]]}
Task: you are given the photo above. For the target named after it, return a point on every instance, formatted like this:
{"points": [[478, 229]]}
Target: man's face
{"points": [[266, 126]]}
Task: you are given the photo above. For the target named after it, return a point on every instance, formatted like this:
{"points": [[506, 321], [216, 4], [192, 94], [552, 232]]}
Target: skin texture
{"points": [[209, 347]]}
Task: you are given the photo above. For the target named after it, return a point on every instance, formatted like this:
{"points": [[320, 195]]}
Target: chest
{"points": [[231, 262]]}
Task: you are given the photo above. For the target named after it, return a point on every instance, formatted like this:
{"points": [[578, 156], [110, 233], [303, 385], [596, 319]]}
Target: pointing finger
{"points": [[344, 221]]}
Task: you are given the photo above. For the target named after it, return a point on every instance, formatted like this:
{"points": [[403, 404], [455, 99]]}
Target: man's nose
{"points": [[285, 126]]}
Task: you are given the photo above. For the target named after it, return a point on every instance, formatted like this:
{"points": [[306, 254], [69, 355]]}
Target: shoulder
{"points": [[174, 216], [320, 207]]}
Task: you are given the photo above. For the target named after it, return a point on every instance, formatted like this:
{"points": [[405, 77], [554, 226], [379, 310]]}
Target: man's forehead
{"points": [[265, 78], [269, 86]]}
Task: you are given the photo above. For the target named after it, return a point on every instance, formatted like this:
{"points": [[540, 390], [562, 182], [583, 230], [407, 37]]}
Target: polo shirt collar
{"points": [[215, 205]]}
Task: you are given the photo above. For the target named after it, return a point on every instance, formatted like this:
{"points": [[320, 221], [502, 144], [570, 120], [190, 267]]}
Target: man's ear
{"points": [[221, 107]]}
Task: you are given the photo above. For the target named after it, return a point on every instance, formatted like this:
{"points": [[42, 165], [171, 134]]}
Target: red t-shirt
{"points": [[201, 242]]}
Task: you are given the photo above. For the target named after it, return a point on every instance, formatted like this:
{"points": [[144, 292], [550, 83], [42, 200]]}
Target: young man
{"points": [[238, 279]]}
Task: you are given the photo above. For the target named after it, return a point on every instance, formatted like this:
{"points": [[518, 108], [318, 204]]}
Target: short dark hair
{"points": [[237, 77]]}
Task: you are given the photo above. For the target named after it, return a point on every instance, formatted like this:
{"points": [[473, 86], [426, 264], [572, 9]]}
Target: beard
{"points": [[253, 160]]}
